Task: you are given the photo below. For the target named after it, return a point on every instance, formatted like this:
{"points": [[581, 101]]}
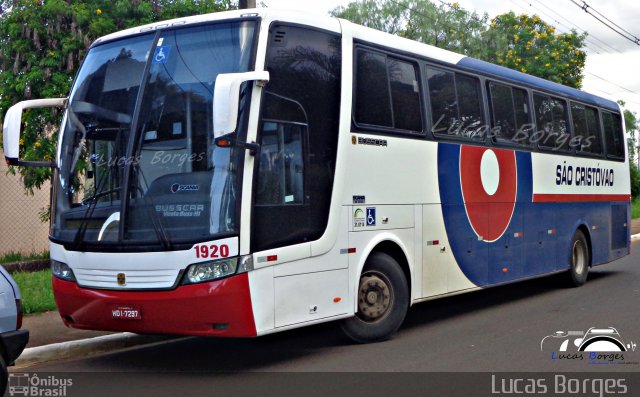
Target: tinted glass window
{"points": [[470, 100], [510, 111], [456, 104], [405, 95], [281, 169], [586, 129], [523, 115], [373, 104], [613, 135], [444, 106], [504, 126], [551, 123], [387, 92]]}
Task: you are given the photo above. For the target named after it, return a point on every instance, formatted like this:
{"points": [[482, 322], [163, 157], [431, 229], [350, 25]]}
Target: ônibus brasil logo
{"points": [[32, 385]]}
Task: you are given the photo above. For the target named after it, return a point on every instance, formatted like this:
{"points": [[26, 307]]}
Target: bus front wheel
{"points": [[579, 259], [383, 300]]}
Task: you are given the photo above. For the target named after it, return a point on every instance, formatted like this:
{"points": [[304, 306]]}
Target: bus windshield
{"points": [[137, 163]]}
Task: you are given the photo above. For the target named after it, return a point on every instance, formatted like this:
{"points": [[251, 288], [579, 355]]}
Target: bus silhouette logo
{"points": [[18, 384], [594, 340]]}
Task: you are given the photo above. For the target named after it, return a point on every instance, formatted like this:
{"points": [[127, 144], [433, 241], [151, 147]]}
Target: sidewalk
{"points": [[50, 340], [48, 328], [635, 226]]}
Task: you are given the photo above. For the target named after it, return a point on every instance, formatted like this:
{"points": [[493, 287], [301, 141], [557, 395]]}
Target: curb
{"points": [[86, 347]]}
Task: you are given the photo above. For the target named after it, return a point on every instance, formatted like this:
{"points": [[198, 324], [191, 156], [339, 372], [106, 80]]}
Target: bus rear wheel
{"points": [[383, 300], [579, 259]]}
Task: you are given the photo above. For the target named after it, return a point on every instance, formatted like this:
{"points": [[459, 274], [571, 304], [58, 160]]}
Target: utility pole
{"points": [[244, 4]]}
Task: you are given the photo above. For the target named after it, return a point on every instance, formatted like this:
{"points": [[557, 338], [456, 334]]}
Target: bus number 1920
{"points": [[211, 251]]}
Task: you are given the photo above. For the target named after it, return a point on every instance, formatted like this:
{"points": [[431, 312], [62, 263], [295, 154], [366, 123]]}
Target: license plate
{"points": [[126, 313]]}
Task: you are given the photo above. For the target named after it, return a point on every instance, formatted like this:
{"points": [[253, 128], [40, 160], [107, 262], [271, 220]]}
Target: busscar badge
{"points": [[122, 279]]}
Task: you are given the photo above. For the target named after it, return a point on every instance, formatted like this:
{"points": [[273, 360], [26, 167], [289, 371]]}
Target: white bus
{"points": [[248, 172]]}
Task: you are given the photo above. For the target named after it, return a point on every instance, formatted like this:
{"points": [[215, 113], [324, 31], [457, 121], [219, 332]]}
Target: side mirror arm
{"points": [[228, 140]]}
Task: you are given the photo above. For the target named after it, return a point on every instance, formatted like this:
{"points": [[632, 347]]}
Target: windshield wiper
{"points": [[78, 240], [98, 195]]}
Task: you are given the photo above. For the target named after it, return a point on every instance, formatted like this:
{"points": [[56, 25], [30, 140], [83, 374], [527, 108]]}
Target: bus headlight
{"points": [[207, 271], [62, 270]]}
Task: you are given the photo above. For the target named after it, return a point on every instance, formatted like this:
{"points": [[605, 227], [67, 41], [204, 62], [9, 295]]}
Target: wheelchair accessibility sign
{"points": [[161, 54], [371, 216]]}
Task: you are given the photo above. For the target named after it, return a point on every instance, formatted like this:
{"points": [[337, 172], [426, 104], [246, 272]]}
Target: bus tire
{"points": [[579, 259], [383, 301]]}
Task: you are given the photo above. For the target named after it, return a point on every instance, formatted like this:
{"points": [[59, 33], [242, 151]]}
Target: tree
{"points": [[521, 42], [386, 16], [530, 45], [42, 44], [446, 26], [631, 125]]}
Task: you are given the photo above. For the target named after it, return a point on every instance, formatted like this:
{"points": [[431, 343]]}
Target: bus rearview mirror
{"points": [[11, 130], [226, 98]]}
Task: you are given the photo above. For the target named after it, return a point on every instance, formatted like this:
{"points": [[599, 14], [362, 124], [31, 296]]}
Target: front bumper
{"points": [[217, 308], [13, 343]]}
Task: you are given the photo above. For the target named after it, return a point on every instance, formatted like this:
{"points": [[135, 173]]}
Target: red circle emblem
{"points": [[489, 182]]}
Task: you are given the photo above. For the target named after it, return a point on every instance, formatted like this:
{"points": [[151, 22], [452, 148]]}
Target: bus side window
{"points": [[586, 129], [613, 135], [510, 113], [456, 105], [387, 92], [444, 103], [552, 131], [373, 104]]}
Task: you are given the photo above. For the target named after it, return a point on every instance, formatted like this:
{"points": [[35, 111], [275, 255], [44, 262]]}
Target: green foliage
{"points": [[449, 27], [37, 292], [530, 45], [635, 180], [521, 42], [13, 257], [635, 209], [42, 43], [631, 126]]}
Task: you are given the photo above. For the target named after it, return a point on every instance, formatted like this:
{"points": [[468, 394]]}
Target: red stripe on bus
{"points": [[569, 198]]}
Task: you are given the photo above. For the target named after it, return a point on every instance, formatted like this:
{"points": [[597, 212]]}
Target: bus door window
{"points": [[281, 168]]}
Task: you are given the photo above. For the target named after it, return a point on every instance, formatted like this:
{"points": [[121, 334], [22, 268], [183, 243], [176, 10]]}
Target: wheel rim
{"points": [[375, 296], [578, 257]]}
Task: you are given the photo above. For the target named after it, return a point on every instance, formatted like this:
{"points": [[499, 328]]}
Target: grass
{"points": [[635, 208], [37, 293], [12, 257]]}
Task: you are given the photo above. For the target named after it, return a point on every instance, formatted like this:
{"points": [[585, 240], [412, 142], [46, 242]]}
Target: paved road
{"points": [[495, 330]]}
